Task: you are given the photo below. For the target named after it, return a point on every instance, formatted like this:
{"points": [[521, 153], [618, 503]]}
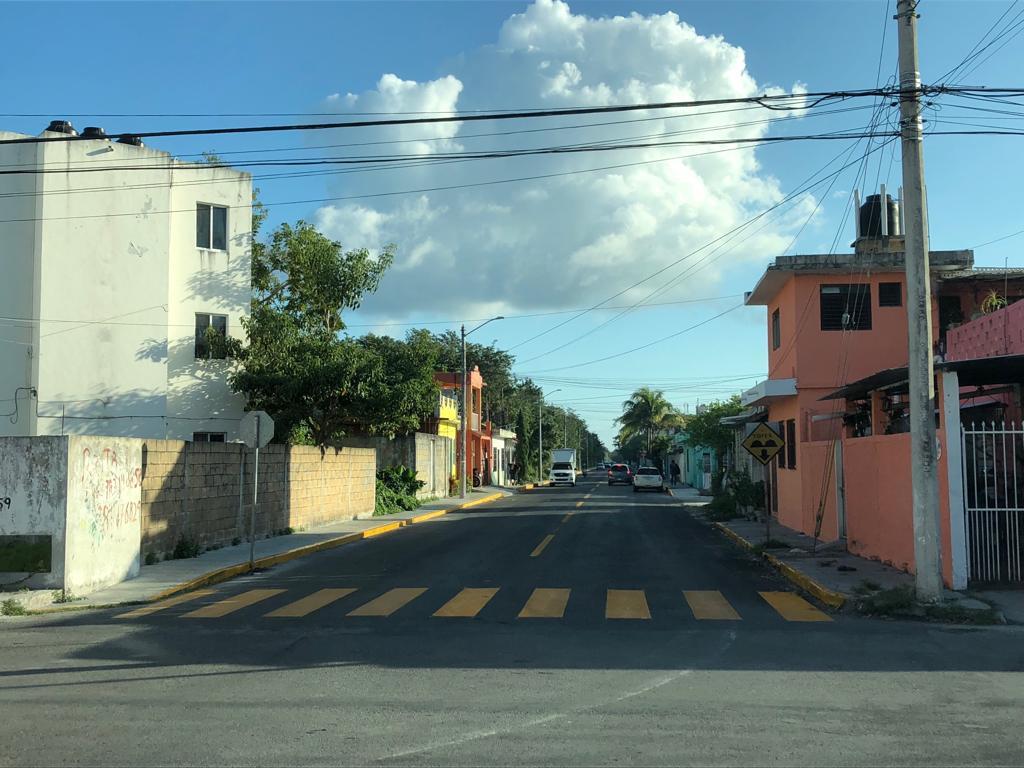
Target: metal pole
{"points": [[540, 437], [255, 498], [924, 478], [465, 433]]}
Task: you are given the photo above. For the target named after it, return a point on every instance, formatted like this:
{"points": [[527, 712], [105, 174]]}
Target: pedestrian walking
{"points": [[675, 472]]}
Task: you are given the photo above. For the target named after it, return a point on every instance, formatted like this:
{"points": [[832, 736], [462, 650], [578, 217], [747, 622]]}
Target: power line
{"points": [[798, 101]]}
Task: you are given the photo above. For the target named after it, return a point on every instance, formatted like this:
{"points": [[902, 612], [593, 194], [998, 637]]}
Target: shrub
{"points": [[236, 541], [152, 558], [185, 548], [396, 490], [722, 507]]}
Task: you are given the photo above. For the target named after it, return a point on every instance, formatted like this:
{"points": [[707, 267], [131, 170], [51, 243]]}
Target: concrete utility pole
{"points": [[465, 411], [924, 477], [540, 435]]}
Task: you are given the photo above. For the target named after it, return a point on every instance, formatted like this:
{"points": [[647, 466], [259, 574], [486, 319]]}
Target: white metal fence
{"points": [[993, 467]]}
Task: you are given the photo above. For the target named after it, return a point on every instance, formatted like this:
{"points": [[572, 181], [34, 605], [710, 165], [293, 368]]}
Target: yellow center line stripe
{"points": [[567, 516], [468, 603], [626, 604], [389, 602], [710, 605], [792, 607], [540, 547], [579, 504], [232, 604], [170, 602], [545, 604], [311, 603]]}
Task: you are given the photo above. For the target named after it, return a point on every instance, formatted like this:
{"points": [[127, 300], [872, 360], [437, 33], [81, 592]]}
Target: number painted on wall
{"points": [[5, 502]]}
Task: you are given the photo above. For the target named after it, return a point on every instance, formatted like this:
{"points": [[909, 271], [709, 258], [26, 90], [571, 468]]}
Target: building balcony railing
{"points": [[476, 422]]}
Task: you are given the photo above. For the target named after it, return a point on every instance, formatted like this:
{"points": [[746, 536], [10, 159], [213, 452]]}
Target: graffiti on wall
{"points": [[109, 486]]}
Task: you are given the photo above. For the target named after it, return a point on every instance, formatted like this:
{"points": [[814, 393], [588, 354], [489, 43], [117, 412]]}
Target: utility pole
{"points": [[924, 477]]}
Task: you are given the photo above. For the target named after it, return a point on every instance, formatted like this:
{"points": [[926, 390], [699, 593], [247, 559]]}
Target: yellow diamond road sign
{"points": [[763, 443]]}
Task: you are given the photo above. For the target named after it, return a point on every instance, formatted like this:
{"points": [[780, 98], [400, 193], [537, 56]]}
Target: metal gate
{"points": [[993, 466]]}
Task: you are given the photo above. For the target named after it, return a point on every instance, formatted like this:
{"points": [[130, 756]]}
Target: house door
{"points": [[993, 466]]}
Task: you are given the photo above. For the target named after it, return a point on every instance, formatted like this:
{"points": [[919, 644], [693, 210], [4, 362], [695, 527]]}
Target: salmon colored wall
{"points": [[1001, 333], [813, 458], [789, 489], [879, 517], [782, 361], [825, 355]]}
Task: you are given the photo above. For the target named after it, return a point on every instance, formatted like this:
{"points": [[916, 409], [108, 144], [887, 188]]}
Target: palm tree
{"points": [[645, 414]]}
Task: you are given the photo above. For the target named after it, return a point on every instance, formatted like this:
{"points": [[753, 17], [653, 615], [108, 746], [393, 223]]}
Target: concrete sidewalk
{"points": [[833, 575], [161, 580]]}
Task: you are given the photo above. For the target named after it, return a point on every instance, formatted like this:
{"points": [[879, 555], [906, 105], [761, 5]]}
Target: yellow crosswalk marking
{"points": [[168, 603], [389, 602], [311, 603], [545, 604], [468, 603], [232, 604], [710, 604], [626, 604], [792, 607], [540, 547]]}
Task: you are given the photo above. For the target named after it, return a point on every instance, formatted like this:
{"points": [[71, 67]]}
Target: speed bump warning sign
{"points": [[764, 443]]}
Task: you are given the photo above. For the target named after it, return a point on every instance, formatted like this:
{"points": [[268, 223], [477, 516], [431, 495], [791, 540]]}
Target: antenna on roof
{"points": [[885, 212], [856, 210]]}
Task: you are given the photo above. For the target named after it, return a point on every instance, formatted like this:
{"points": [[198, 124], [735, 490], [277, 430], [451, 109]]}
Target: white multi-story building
{"points": [[114, 258]]}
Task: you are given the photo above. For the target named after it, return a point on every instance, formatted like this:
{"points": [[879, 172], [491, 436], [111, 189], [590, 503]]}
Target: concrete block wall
{"points": [[1000, 333], [205, 490], [413, 451]]}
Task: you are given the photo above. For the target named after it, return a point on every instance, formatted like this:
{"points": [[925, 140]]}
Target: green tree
{"points": [[296, 366], [706, 428], [647, 415]]}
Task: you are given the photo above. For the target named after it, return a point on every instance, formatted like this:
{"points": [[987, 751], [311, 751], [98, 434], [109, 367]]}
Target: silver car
{"points": [[648, 479]]}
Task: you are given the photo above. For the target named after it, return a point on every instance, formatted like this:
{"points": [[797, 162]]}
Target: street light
{"points": [[540, 433], [465, 433]]}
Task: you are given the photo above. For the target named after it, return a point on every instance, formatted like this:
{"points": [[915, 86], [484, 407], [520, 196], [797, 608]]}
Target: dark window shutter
{"points": [[890, 295], [791, 443]]}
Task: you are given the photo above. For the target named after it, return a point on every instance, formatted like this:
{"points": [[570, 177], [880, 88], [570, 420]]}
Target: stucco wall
{"points": [[104, 505], [1000, 333], [203, 491], [33, 475]]}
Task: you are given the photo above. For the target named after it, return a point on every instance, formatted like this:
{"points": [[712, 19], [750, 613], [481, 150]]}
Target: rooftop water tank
{"points": [[871, 217], [61, 126], [135, 141], [95, 132]]}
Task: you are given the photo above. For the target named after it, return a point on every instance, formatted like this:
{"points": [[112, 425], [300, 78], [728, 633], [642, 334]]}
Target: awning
{"points": [[977, 372], [745, 417], [763, 392]]}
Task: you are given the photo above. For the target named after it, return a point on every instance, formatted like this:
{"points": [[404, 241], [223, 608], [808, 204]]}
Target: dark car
{"points": [[620, 473]]}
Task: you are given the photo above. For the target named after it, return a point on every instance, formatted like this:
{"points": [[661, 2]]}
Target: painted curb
{"points": [[238, 569], [829, 597]]}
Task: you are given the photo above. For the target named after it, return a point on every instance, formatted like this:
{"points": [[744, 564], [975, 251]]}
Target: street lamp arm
{"points": [[485, 322]]}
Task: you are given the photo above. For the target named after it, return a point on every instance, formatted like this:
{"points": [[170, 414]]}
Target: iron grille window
{"points": [[890, 295], [791, 443], [208, 437], [846, 307], [776, 330]]}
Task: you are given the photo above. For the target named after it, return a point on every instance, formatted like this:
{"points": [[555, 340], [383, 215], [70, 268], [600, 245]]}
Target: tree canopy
{"points": [[705, 428]]}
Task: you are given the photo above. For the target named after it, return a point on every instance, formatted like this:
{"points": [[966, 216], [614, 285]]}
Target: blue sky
{"points": [[136, 59]]}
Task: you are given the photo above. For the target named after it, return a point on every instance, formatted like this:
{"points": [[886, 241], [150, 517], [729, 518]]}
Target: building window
{"points": [[706, 463], [846, 307], [208, 437], [890, 295], [211, 227], [776, 330], [219, 323], [780, 457], [791, 443]]}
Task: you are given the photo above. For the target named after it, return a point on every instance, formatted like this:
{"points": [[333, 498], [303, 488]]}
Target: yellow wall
{"points": [[448, 425]]}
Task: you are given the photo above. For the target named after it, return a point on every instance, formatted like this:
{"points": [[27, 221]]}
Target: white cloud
{"points": [[578, 236]]}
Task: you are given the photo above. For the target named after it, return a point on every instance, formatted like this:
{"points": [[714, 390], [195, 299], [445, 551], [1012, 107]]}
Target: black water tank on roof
{"points": [[135, 141], [871, 216], [61, 126], [95, 132]]}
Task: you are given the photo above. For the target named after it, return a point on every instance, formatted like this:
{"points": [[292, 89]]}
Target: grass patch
{"points": [[900, 602], [956, 614], [722, 508], [63, 596], [186, 547], [764, 546], [12, 608]]}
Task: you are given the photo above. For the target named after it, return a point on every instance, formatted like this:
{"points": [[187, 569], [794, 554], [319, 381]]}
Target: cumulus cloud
{"points": [[578, 234]]}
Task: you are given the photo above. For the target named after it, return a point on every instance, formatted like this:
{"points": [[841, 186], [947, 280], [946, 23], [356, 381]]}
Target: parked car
{"points": [[648, 479], [619, 473]]}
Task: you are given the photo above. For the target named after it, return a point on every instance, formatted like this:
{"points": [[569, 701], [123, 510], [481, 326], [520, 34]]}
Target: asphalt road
{"points": [[581, 626]]}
